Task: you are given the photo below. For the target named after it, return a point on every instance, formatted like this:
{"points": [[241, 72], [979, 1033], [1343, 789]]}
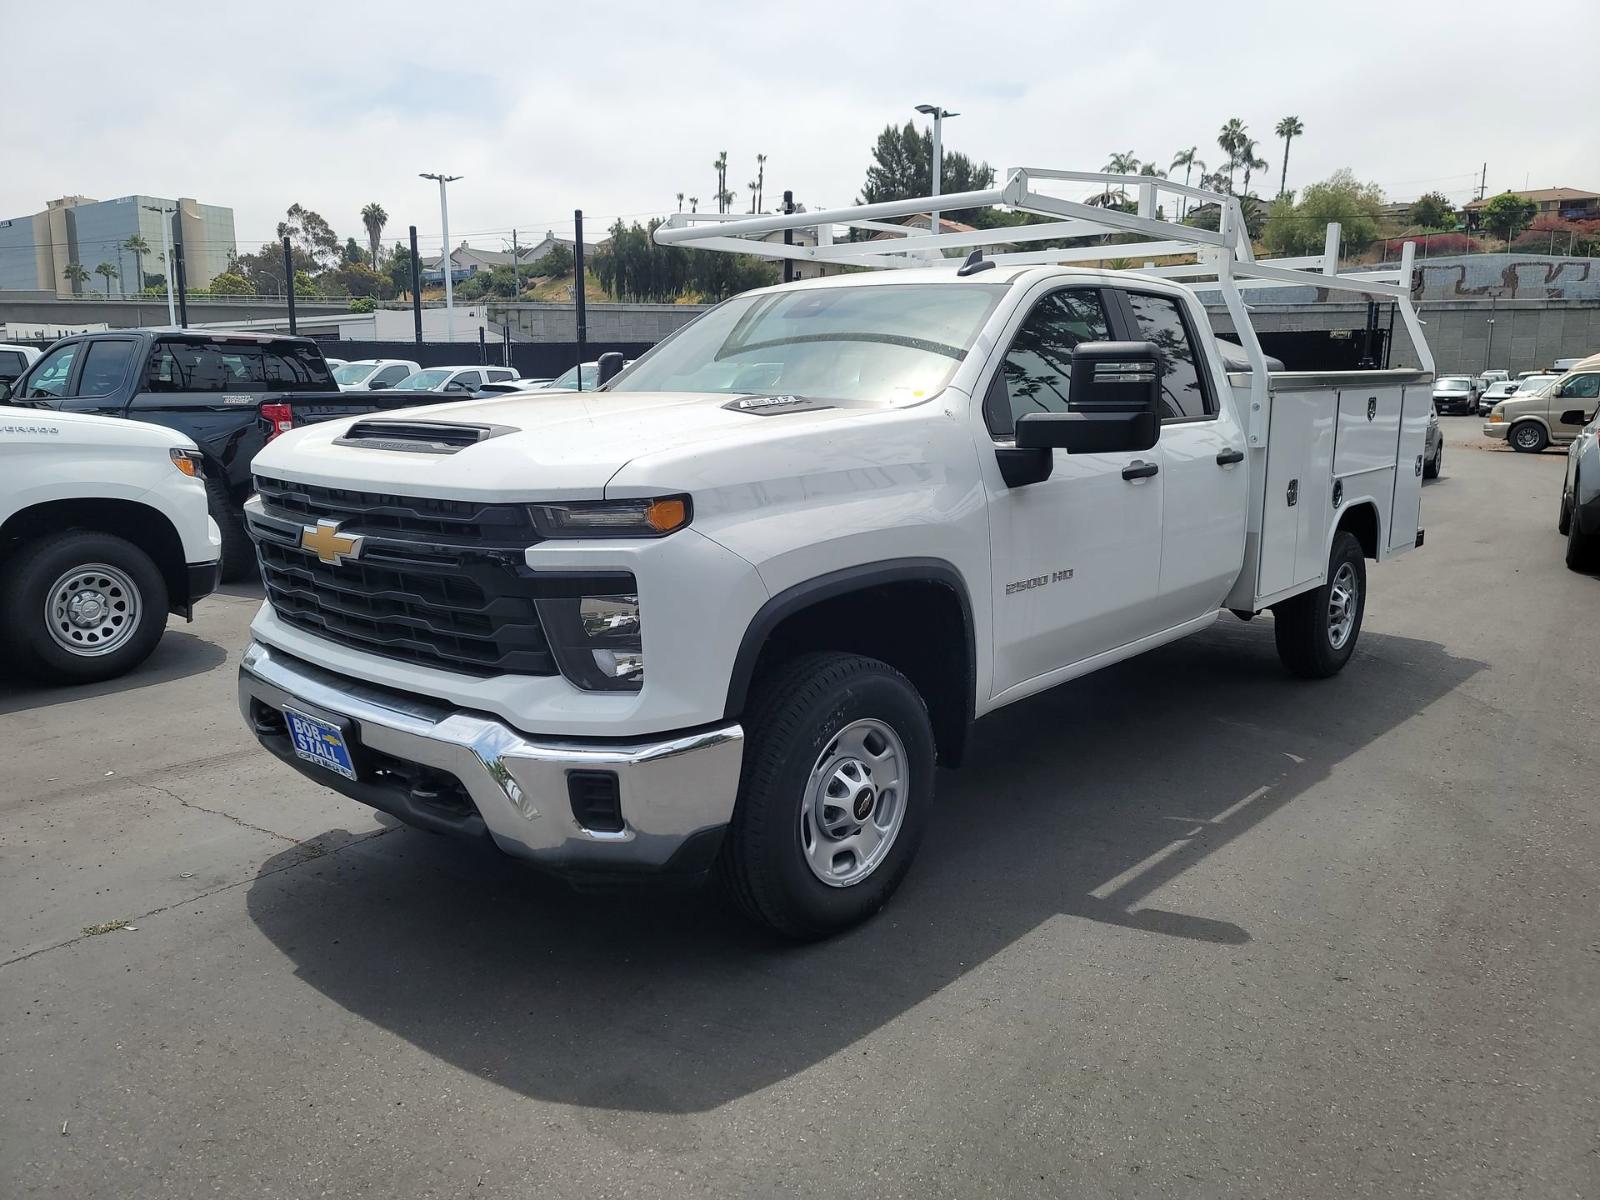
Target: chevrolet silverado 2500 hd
{"points": [[728, 611], [103, 532]]}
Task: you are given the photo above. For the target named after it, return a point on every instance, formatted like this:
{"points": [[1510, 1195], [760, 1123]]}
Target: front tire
{"points": [[1528, 437], [82, 607], [834, 796], [1316, 631]]}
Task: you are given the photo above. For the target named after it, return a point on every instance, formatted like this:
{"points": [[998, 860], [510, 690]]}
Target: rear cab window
{"points": [[228, 366], [1161, 321]]}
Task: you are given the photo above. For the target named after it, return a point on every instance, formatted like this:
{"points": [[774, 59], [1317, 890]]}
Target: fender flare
{"points": [[809, 592]]}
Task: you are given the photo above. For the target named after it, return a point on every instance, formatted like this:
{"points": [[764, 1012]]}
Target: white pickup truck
{"points": [[103, 532], [728, 612]]}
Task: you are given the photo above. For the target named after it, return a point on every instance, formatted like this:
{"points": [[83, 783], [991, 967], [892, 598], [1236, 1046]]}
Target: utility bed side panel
{"points": [[1299, 447], [1407, 506]]}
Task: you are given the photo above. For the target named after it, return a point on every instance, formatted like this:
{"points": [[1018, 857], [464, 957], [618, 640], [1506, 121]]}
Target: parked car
{"points": [[568, 380], [335, 363], [1433, 451], [1543, 417], [230, 392], [1495, 393], [770, 574], [103, 531], [373, 374], [1456, 394], [14, 360], [1562, 365], [456, 379], [1579, 518], [1488, 378]]}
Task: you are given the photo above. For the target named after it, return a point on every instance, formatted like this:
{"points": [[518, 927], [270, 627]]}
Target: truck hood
{"points": [[50, 427], [544, 444]]}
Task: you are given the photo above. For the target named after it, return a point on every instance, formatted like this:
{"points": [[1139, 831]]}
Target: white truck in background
{"points": [[726, 613], [103, 532]]}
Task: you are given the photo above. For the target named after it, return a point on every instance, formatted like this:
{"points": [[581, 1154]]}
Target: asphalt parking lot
{"points": [[1185, 927]]}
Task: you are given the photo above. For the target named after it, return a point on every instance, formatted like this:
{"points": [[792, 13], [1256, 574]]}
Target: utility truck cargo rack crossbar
{"points": [[1224, 255]]}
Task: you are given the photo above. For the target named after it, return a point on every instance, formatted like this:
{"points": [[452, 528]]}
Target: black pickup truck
{"points": [[231, 392]]}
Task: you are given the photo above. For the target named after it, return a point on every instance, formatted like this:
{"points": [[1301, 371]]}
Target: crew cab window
{"points": [[235, 367], [49, 378], [104, 366], [1037, 369], [1159, 320], [390, 376], [466, 380]]}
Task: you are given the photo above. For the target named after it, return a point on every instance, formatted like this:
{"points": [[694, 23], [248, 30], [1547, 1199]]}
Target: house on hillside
{"points": [[1562, 203]]}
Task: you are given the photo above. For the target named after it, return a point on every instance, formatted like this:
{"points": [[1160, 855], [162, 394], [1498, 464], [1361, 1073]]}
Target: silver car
{"points": [[1433, 452], [1580, 496]]}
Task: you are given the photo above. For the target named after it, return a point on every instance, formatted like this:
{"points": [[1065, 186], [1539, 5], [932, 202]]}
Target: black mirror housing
{"points": [[610, 366], [1113, 403], [377, 387]]}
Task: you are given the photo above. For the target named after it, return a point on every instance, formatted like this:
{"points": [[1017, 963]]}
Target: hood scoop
{"points": [[419, 437]]}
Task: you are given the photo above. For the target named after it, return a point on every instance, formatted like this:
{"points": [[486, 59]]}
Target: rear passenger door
{"points": [[1202, 456]]}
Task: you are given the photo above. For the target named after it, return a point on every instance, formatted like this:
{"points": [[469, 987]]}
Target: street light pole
{"points": [[166, 258], [938, 114], [444, 262]]}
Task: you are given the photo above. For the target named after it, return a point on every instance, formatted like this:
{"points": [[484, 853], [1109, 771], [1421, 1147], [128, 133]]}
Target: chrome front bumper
{"points": [[676, 792], [1496, 429]]}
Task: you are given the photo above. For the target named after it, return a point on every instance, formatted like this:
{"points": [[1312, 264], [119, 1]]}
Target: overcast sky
{"points": [[615, 107]]}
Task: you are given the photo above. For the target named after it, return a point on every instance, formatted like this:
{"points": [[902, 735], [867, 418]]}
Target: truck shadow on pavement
{"points": [[177, 656], [1081, 802]]}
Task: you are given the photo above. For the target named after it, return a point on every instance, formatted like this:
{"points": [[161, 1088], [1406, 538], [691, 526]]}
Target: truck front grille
{"points": [[442, 583]]}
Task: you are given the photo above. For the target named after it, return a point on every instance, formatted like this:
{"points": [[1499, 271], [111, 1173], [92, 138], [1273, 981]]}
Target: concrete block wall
{"points": [[606, 322]]}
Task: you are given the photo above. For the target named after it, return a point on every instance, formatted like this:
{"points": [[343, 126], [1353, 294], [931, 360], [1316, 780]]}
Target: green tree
{"points": [[1300, 228], [1433, 211], [108, 272], [1288, 129], [1229, 137], [399, 268], [1505, 216], [75, 275], [761, 181], [138, 247], [902, 167], [373, 219], [352, 252], [354, 279], [556, 263], [229, 283], [1189, 160], [363, 304], [721, 165], [1249, 160], [308, 232]]}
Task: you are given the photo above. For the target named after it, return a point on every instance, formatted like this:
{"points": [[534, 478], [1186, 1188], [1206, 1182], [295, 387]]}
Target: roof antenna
{"points": [[975, 262]]}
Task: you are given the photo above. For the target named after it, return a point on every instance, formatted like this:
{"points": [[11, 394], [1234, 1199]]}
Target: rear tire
{"points": [[1564, 517], [1430, 470], [1316, 631], [1583, 549], [238, 555], [822, 728], [81, 607], [1528, 437]]}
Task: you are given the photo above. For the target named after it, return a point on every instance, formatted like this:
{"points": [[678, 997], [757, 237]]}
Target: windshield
{"points": [[883, 342], [353, 372], [423, 381], [1534, 383], [569, 377], [1453, 385]]}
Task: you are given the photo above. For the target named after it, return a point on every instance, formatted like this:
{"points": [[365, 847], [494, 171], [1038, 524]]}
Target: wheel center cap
{"points": [[866, 800], [87, 609]]}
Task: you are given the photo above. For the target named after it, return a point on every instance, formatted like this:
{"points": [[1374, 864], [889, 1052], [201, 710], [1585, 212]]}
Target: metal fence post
{"points": [[288, 277], [788, 236], [183, 285], [578, 289], [416, 286]]}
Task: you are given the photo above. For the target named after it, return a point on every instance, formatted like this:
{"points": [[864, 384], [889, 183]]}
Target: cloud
{"points": [[616, 107]]}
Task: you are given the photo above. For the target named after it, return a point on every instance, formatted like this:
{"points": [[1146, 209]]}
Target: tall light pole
{"points": [[444, 262], [938, 114], [166, 257]]}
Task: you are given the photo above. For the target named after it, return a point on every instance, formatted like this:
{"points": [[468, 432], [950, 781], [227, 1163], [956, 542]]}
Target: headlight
{"points": [[596, 635], [191, 462], [1497, 415], [644, 517]]}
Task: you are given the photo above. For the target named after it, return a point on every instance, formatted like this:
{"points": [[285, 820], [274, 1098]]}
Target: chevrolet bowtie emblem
{"points": [[329, 545]]}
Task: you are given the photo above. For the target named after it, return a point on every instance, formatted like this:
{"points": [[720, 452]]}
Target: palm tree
{"points": [[722, 180], [1189, 160], [680, 201], [74, 274], [1288, 129], [1229, 138], [694, 204], [755, 189], [1249, 161], [108, 271], [1120, 164], [374, 218], [761, 181], [139, 248]]}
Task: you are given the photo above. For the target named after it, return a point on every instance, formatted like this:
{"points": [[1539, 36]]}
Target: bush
{"points": [[1433, 245], [363, 304], [229, 284]]}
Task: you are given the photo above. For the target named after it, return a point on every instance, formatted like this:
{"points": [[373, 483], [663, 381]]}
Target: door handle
{"points": [[1140, 470], [1226, 458]]}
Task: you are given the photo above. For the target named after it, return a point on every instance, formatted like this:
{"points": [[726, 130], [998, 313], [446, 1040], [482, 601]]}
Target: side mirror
{"points": [[610, 366], [1113, 403], [377, 385]]}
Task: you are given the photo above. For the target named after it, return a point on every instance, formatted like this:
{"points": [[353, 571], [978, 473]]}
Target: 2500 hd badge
{"points": [[1038, 581]]}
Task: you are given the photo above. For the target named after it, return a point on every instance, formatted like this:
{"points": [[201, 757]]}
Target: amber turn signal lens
{"points": [[189, 462], [666, 515]]}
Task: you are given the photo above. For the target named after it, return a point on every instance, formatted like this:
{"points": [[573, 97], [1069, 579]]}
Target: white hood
{"points": [[561, 444]]}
